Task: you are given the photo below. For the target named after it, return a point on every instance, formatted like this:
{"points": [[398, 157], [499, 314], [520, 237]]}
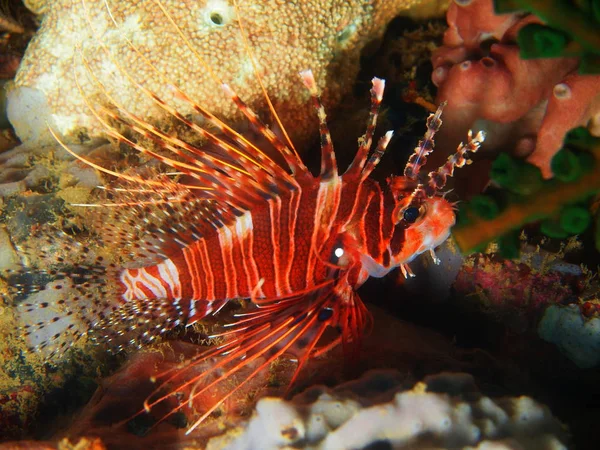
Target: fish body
{"points": [[293, 243], [296, 245]]}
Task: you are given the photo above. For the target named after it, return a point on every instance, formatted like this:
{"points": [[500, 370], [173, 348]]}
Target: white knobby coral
{"points": [[443, 411]]}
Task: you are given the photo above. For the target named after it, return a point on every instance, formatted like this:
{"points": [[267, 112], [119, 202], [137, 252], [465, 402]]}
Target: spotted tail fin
{"points": [[61, 300], [72, 290]]}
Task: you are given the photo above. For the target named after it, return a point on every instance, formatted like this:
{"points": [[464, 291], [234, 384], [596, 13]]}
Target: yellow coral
{"points": [[286, 37]]}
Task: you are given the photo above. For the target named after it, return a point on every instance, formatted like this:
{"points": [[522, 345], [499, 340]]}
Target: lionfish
{"points": [[248, 227]]}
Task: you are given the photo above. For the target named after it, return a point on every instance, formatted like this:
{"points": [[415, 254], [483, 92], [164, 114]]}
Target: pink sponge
{"points": [[480, 74]]}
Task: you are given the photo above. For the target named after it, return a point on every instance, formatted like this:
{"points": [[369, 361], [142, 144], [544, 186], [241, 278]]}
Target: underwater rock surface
{"points": [[576, 337]]}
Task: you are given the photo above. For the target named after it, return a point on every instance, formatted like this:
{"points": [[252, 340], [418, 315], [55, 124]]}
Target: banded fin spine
{"points": [[328, 162], [270, 330], [365, 141], [425, 146], [438, 178], [243, 149]]}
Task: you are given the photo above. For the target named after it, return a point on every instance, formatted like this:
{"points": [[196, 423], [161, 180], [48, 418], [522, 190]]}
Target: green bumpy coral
{"points": [[570, 30], [562, 204]]}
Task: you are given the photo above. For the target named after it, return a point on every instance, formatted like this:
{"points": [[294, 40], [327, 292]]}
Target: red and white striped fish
{"points": [[247, 227]]}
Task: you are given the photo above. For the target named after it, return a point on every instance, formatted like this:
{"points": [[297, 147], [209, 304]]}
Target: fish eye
{"points": [[411, 214]]}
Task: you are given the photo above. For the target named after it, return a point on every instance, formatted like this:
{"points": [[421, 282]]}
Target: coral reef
{"points": [[291, 36], [538, 296], [443, 411], [528, 104], [28, 388], [479, 60], [518, 291], [16, 28], [30, 214]]}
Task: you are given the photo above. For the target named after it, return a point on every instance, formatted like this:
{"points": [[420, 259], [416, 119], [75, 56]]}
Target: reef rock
{"points": [[85, 51], [576, 336]]}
